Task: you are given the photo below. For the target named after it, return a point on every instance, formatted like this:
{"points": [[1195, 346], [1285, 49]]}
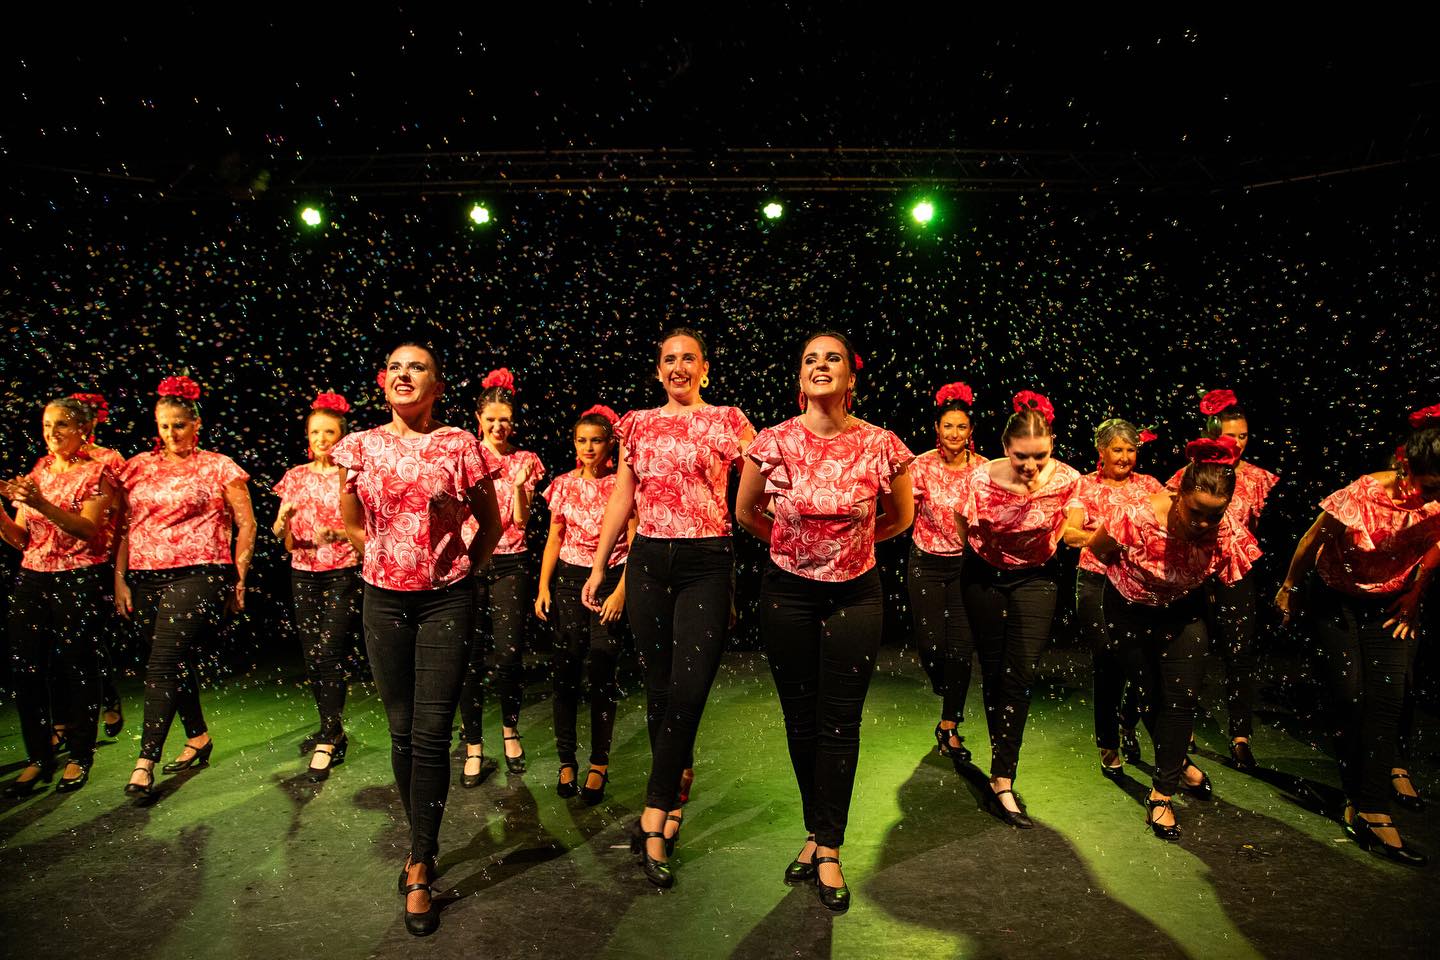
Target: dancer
{"points": [[1158, 550], [937, 556], [57, 609], [674, 463], [821, 489], [174, 570], [577, 507], [324, 577], [1231, 608], [1012, 517], [406, 490], [1373, 549], [502, 588], [1117, 443]]}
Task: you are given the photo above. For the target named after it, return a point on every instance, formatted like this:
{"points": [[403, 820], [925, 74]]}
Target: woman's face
{"points": [[592, 445], [1117, 459], [681, 368], [825, 369], [496, 423], [953, 430], [1237, 430], [1200, 512], [178, 430], [1028, 456], [324, 430], [411, 379], [64, 435]]}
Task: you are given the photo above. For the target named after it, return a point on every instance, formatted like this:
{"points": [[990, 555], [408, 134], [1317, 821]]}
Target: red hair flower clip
{"points": [[1217, 400], [601, 410], [1147, 435], [182, 387], [954, 391], [1425, 417], [501, 378], [95, 402], [1221, 450], [1030, 400], [330, 401], [380, 379], [859, 362]]}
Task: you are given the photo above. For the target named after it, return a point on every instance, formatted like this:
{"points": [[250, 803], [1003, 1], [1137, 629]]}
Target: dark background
{"points": [[1246, 208]]}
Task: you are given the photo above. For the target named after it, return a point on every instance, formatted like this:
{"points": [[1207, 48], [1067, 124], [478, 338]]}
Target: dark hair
{"points": [[1216, 421], [434, 357], [1025, 423], [1216, 479], [495, 394], [690, 332], [344, 424], [191, 407], [1422, 450], [596, 420], [1116, 427], [79, 409], [834, 335], [950, 406]]}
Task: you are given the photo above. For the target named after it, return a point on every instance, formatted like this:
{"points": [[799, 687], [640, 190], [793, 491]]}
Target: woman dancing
{"points": [[810, 489]]}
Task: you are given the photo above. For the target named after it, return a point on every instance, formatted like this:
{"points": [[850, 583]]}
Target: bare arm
{"points": [[520, 499], [352, 511], [752, 503], [1103, 545], [237, 498], [13, 531], [618, 511], [614, 605], [898, 508], [123, 605], [1074, 533], [484, 509], [83, 524], [1321, 532], [548, 561]]}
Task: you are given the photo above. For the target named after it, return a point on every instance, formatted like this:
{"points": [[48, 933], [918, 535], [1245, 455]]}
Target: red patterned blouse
{"points": [[938, 492], [1383, 540], [578, 504], [512, 537], [178, 516], [48, 549], [1015, 531], [316, 498], [681, 464], [1100, 498], [1156, 569]]}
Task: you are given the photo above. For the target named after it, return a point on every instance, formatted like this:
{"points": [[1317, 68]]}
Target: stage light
{"points": [[311, 216], [773, 210], [479, 214], [923, 212]]}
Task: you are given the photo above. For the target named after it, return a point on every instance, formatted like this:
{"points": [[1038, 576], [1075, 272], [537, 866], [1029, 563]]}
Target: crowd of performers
{"points": [[416, 530]]}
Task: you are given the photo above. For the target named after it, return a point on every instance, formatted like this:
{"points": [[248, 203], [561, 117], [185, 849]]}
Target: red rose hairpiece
{"points": [[1147, 435], [1221, 450], [603, 411], [954, 391], [380, 379], [1030, 400], [95, 402], [182, 387], [1217, 400], [859, 362], [332, 402], [1425, 417], [501, 378]]}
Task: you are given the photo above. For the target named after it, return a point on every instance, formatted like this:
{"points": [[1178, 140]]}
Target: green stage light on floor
{"points": [[923, 212], [311, 216], [479, 214], [773, 210]]}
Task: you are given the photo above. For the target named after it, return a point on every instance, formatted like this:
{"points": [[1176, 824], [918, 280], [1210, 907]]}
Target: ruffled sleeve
{"points": [[765, 451], [227, 471], [919, 477], [554, 495], [537, 473], [892, 456], [1174, 482], [286, 487], [1238, 551], [734, 425], [1149, 486], [348, 452], [474, 463], [968, 503], [1352, 506], [625, 433]]}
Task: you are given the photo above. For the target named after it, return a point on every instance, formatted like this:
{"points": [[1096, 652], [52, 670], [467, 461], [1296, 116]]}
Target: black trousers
{"points": [[1231, 622], [942, 628], [327, 611], [1011, 613], [175, 609], [503, 598], [54, 630], [822, 640], [1115, 703], [418, 642], [677, 595], [1164, 650], [578, 633], [1364, 667]]}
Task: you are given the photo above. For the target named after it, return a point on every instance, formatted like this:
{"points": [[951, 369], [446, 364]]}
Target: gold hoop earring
{"points": [[705, 381]]}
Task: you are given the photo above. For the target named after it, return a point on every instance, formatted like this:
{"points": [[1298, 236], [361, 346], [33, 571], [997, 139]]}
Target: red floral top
{"points": [[1012, 531], [823, 493], [512, 537], [1383, 540], [938, 492], [48, 549], [415, 493], [178, 516], [1252, 485], [115, 463], [1099, 498], [316, 498], [1156, 569], [578, 504], [681, 464]]}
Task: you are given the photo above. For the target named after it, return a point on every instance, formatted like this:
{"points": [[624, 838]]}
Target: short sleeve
{"points": [[726, 441], [1149, 485], [968, 503], [228, 471], [474, 463], [537, 473], [626, 425], [892, 457], [918, 480], [1348, 506], [557, 496], [1120, 523], [765, 452], [286, 486], [1174, 482], [1239, 551], [348, 452]]}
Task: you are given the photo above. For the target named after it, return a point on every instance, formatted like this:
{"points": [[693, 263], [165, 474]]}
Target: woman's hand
{"points": [[614, 607], [123, 604], [236, 602], [1405, 609], [1287, 601], [542, 604], [590, 593]]}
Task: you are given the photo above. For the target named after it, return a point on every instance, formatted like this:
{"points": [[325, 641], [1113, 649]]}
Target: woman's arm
{"points": [[237, 498], [898, 508], [83, 524], [752, 503], [13, 531], [281, 527], [123, 605], [352, 511], [1407, 606], [617, 515], [614, 606], [520, 498], [548, 562], [1073, 533], [1103, 545], [1321, 532]]}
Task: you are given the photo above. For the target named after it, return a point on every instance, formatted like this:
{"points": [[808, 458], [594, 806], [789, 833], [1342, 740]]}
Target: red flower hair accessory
{"points": [[859, 363], [601, 410], [1221, 450], [1147, 435], [501, 378], [182, 387], [332, 402], [95, 402], [1217, 400], [1030, 400], [380, 379], [954, 391], [1425, 417]]}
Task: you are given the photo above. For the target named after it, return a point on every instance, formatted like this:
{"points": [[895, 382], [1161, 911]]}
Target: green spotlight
{"points": [[479, 214], [311, 216], [773, 210], [923, 212]]}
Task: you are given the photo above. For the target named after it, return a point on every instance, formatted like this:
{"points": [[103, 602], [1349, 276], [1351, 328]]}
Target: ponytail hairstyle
{"points": [[1212, 467], [1220, 406], [1419, 452], [603, 417], [1033, 417], [852, 360]]}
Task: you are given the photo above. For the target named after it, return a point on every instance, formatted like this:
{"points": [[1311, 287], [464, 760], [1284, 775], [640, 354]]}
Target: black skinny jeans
{"points": [[418, 642], [1011, 612], [54, 625], [1164, 649], [942, 628], [821, 640], [1115, 703], [327, 611], [1364, 666], [677, 595], [175, 609], [503, 598], [1232, 621], [578, 632]]}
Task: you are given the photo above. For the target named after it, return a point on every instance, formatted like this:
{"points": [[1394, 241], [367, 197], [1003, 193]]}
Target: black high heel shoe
{"points": [[1242, 756], [656, 871], [516, 765], [336, 753], [141, 791], [112, 729], [487, 767], [1364, 833], [960, 754], [199, 757], [1204, 790], [674, 838], [592, 797], [1170, 834], [567, 788], [427, 921], [308, 744], [1109, 772], [1004, 814], [1414, 803], [799, 871], [834, 898], [1129, 745], [71, 784], [23, 788]]}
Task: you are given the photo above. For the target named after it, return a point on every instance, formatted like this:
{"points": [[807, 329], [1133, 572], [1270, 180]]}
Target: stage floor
{"points": [[247, 859]]}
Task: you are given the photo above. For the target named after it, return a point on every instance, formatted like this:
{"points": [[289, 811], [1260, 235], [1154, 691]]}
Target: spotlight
{"points": [[311, 216], [479, 214], [923, 212], [773, 210]]}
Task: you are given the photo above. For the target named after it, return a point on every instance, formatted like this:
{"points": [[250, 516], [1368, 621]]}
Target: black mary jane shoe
{"points": [[427, 921], [674, 838], [472, 780], [112, 729], [656, 871], [199, 757], [1129, 746], [1109, 772], [799, 871], [833, 898], [1204, 790], [71, 784], [1413, 803], [567, 788], [336, 752], [16, 789], [142, 791], [1241, 756], [1364, 833], [593, 797], [1170, 834], [1020, 820], [515, 765], [307, 746], [960, 754]]}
